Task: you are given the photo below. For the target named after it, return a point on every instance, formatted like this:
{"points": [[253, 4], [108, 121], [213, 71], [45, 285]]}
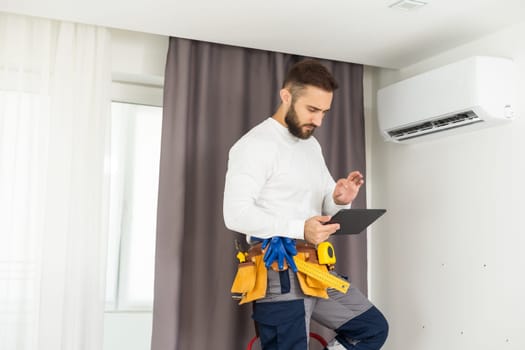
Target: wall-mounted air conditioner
{"points": [[466, 95]]}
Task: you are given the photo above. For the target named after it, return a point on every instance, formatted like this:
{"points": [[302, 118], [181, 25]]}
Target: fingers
{"points": [[323, 219], [324, 232], [331, 228], [356, 177], [354, 174], [327, 228], [317, 229]]}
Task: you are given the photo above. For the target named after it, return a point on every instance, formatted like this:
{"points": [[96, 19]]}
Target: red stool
{"points": [[313, 335]]}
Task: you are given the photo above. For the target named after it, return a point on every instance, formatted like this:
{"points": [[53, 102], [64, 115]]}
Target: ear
{"points": [[286, 96]]}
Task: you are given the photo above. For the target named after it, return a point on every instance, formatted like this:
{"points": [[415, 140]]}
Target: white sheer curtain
{"points": [[54, 112]]}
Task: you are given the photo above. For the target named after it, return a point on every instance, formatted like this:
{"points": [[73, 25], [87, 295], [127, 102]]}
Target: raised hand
{"points": [[347, 189]]}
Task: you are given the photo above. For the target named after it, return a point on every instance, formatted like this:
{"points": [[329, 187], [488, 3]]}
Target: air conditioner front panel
{"points": [[478, 84]]}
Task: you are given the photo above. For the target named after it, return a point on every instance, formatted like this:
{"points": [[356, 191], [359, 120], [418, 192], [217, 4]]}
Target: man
{"points": [[277, 185]]}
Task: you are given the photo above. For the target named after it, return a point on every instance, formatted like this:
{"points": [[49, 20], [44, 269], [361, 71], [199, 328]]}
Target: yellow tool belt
{"points": [[250, 282]]}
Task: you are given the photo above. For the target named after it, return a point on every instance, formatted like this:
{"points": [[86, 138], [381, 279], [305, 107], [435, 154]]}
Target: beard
{"points": [[294, 127]]}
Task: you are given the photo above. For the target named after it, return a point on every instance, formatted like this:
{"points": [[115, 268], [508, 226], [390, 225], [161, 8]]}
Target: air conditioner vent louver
{"points": [[437, 125]]}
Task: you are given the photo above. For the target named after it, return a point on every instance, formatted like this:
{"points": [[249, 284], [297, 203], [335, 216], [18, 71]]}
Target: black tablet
{"points": [[354, 221]]}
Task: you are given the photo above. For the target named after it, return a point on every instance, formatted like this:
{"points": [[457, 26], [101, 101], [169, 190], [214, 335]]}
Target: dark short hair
{"points": [[309, 72]]}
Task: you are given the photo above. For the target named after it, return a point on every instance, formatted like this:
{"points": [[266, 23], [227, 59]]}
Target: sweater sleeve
{"points": [[250, 165]]}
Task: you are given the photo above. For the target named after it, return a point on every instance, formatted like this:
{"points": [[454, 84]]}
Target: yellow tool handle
{"points": [[325, 277]]}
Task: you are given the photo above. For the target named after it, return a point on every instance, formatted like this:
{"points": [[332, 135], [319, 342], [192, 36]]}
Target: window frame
{"points": [[144, 92]]}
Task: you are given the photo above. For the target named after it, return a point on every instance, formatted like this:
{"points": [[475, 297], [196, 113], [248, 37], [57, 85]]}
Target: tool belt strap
{"points": [[309, 251]]}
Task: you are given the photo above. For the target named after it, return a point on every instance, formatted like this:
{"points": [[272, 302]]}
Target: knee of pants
{"points": [[281, 325], [371, 326]]}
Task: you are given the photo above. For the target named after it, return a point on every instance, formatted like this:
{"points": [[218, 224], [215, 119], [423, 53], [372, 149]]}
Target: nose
{"points": [[317, 120]]}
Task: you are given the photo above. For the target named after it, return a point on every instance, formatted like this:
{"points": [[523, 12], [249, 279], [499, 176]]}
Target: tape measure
{"points": [[324, 276], [325, 253]]}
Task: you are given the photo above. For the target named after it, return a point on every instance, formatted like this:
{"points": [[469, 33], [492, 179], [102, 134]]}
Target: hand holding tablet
{"points": [[354, 221]]}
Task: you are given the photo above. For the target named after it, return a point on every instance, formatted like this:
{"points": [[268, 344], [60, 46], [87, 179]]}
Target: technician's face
{"points": [[306, 113]]}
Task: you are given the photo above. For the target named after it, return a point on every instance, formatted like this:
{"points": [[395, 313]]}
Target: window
{"points": [[134, 162]]}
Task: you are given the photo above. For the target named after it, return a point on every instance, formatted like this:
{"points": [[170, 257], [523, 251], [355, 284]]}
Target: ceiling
{"points": [[360, 31]]}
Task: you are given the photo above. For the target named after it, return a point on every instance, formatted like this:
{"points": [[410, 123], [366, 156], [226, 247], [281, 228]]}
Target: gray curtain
{"points": [[213, 95]]}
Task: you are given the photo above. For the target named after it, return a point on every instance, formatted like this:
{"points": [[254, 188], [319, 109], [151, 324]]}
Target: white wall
{"points": [[448, 259], [127, 330], [138, 62]]}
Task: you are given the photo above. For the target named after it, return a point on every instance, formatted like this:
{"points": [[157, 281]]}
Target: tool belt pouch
{"points": [[250, 280], [244, 278], [309, 285]]}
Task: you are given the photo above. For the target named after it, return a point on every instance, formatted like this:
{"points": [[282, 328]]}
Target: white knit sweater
{"points": [[275, 182]]}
